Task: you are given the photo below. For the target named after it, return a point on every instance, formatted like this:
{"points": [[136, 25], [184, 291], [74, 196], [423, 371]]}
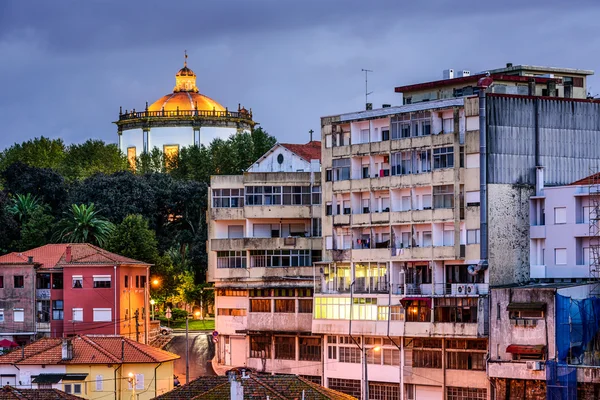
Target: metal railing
{"points": [[184, 113]]}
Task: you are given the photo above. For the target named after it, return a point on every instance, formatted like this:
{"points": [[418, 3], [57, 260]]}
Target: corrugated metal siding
{"points": [[569, 139]]}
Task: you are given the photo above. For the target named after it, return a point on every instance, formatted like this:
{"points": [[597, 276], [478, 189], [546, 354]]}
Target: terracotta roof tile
{"points": [[588, 180], [257, 386], [12, 393], [308, 151], [88, 350], [54, 255]]}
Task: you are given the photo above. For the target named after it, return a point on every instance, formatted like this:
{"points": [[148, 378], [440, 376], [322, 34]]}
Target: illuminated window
{"points": [[131, 155], [170, 151]]}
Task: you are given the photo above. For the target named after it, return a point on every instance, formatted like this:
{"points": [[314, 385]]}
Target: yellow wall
{"points": [[164, 380]]}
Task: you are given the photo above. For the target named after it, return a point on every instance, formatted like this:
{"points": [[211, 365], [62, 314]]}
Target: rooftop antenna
{"points": [[367, 93], [185, 58]]}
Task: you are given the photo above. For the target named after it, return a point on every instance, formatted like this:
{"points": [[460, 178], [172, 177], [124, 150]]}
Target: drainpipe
{"points": [[483, 84], [117, 381], [115, 290], [388, 333], [155, 380]]}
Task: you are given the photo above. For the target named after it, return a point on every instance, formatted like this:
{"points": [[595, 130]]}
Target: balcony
{"points": [[219, 214], [280, 322], [444, 253], [341, 151], [441, 289], [443, 176], [42, 294], [341, 186], [341, 220], [537, 231], [440, 329], [559, 271], [277, 211], [443, 215], [422, 215], [382, 254], [401, 217], [293, 243], [42, 327], [412, 253], [381, 182], [361, 219], [380, 218]]}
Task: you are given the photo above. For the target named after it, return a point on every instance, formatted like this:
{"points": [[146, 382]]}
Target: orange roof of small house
{"points": [[309, 151], [13, 393], [90, 349], [56, 255]]}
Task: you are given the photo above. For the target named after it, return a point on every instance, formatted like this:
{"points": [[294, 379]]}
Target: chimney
{"points": [[236, 388], [68, 253], [508, 65], [67, 350], [552, 88], [30, 259], [531, 87], [568, 90], [369, 106], [386, 105]]}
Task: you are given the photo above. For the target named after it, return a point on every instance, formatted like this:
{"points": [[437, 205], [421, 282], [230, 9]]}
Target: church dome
{"points": [[185, 96]]}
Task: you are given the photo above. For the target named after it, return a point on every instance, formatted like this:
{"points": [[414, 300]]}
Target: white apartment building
{"points": [[264, 236]]}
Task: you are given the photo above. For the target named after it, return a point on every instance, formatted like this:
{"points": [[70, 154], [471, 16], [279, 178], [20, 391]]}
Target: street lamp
{"points": [[152, 303], [132, 381], [155, 282], [366, 380]]}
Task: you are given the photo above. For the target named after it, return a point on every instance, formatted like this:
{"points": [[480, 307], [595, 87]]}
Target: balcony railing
{"points": [[185, 113], [441, 289]]}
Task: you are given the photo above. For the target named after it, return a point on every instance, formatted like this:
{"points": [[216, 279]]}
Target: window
{"points": [[465, 360], [42, 281], [126, 282], [57, 310], [465, 393], [1, 281], [260, 346], [68, 388], [316, 195], [305, 306], [560, 215], [142, 281], [526, 314], [77, 281], [385, 133], [560, 256], [351, 387], [391, 357], [137, 281], [400, 129], [310, 349], [448, 238], [77, 388], [456, 310], [448, 125], [410, 392], [231, 259], [341, 169], [232, 312], [316, 227], [285, 305], [473, 236], [328, 208], [285, 348], [426, 202], [102, 314], [443, 196], [18, 315], [170, 152], [232, 292], [328, 175], [349, 355], [422, 161], [426, 358], [427, 241], [228, 198], [19, 282], [78, 314], [418, 311], [443, 157], [57, 281], [260, 305], [101, 281], [1, 315], [280, 258], [99, 383]]}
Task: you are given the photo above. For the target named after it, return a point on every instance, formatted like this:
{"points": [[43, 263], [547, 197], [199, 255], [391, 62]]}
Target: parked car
{"points": [[165, 331]]}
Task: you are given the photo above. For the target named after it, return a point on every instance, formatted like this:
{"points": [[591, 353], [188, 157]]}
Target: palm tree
{"points": [[23, 206], [82, 224]]}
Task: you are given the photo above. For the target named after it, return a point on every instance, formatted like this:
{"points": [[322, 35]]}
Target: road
{"points": [[202, 351]]}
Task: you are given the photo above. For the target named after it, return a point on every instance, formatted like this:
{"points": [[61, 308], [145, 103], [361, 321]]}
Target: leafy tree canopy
{"points": [[83, 224], [132, 238]]}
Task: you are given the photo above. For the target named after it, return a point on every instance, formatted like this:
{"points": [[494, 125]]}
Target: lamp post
{"points": [[152, 303], [132, 381], [187, 348], [366, 380]]}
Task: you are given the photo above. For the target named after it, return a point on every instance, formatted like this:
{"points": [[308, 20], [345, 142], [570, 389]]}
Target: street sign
{"points": [[215, 333], [168, 314]]}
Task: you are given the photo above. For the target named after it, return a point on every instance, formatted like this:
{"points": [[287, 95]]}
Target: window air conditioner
{"points": [[535, 365], [471, 289]]}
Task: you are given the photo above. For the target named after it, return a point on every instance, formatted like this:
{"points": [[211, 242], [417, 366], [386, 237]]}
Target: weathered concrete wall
{"points": [[508, 212]]}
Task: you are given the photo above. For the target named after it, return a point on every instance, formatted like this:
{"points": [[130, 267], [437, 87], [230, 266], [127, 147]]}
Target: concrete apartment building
{"points": [[264, 236], [402, 293]]}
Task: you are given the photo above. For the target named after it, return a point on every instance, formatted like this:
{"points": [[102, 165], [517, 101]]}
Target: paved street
{"points": [[202, 350]]}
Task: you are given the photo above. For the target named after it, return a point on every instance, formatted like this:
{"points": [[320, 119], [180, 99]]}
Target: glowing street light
{"points": [[132, 381]]}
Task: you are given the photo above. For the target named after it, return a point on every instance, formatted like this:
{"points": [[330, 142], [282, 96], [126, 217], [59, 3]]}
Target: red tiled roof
{"points": [[466, 79], [55, 255], [12, 393], [256, 386], [308, 151], [88, 350], [588, 180]]}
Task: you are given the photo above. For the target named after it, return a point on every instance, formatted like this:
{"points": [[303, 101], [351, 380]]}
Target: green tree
{"points": [[83, 224], [23, 206], [150, 162], [132, 238], [39, 152], [92, 157], [35, 231], [262, 142]]}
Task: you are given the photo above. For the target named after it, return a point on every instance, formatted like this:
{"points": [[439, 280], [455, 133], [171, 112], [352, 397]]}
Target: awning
{"points": [[525, 349], [406, 301], [8, 343], [55, 378], [527, 306]]}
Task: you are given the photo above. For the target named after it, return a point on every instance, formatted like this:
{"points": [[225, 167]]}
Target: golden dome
{"points": [[185, 101], [185, 96]]}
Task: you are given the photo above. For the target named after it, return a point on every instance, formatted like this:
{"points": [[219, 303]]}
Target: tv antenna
{"points": [[367, 93]]}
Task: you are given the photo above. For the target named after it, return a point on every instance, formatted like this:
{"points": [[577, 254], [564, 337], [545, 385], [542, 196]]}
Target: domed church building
{"points": [[179, 119]]}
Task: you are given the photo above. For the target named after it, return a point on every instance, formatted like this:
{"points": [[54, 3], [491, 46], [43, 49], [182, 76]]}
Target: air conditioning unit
{"points": [[471, 289], [535, 365], [460, 289]]}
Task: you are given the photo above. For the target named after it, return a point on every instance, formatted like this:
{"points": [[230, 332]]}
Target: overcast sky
{"points": [[67, 65]]}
